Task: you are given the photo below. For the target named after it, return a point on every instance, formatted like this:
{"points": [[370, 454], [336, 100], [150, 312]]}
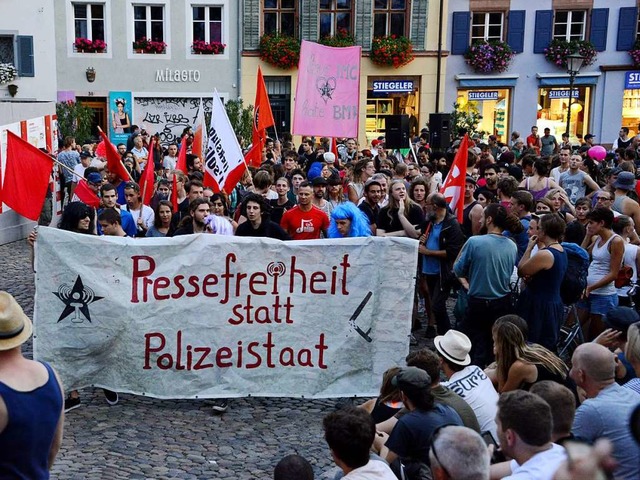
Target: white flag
{"points": [[224, 161]]}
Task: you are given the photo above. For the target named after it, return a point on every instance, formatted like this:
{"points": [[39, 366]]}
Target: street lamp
{"points": [[574, 63]]}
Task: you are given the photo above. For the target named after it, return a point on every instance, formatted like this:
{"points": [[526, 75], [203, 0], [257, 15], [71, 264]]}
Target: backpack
{"points": [[575, 278]]}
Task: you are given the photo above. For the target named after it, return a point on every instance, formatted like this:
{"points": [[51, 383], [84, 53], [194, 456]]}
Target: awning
{"points": [[562, 80], [486, 81]]}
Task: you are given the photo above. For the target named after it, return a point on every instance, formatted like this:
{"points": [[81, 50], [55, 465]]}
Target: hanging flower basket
{"points": [[8, 73], [144, 45], [84, 45], [489, 56], [635, 54], [391, 51], [559, 49], [281, 51], [203, 48], [342, 38]]}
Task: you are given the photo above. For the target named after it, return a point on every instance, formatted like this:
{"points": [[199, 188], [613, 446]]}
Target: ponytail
{"points": [[503, 219]]}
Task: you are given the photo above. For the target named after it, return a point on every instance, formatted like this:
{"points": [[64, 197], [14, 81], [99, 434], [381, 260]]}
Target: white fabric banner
{"points": [[206, 316]]}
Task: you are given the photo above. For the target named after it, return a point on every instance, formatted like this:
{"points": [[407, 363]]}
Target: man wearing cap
{"points": [[588, 139], [622, 203], [78, 170], [472, 212], [411, 437], [31, 401], [319, 185], [468, 381]]}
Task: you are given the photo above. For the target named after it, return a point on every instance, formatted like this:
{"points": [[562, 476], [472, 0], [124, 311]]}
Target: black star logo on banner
{"points": [[77, 300]]}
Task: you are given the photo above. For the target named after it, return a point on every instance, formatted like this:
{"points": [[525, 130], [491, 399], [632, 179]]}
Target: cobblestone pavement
{"points": [[145, 438]]}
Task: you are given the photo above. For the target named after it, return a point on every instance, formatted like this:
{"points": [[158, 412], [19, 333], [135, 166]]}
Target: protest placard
{"points": [[205, 316]]}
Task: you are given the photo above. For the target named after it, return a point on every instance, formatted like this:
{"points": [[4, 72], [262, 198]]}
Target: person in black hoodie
{"points": [[258, 224]]}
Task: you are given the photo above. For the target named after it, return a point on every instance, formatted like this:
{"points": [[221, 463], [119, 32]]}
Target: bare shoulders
{"points": [[25, 376]]}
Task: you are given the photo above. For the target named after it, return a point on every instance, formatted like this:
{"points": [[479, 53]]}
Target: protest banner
{"points": [[206, 316], [328, 91]]}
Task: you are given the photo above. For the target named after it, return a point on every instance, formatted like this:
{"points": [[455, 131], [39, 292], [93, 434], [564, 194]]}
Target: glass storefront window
{"points": [[392, 95], [552, 111], [631, 111], [493, 104]]}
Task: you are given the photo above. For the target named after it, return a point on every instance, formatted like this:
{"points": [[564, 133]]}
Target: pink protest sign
{"points": [[328, 91]]}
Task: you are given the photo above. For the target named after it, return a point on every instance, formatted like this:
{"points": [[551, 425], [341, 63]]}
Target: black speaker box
{"points": [[396, 131], [440, 130]]}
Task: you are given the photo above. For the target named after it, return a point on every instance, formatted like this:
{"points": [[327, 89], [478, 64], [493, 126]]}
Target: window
{"points": [[148, 22], [280, 17], [638, 28], [7, 50], [88, 20], [487, 26], [207, 24], [570, 25], [389, 17], [335, 15]]}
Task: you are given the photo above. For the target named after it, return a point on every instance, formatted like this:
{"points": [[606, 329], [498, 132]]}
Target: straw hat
{"points": [[15, 326], [454, 346]]}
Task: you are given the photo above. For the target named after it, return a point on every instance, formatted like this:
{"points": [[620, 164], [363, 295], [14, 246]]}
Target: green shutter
{"points": [[251, 24], [309, 12], [419, 23], [364, 23]]}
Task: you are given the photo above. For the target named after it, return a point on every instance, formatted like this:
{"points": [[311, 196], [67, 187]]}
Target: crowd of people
{"points": [[532, 209]]}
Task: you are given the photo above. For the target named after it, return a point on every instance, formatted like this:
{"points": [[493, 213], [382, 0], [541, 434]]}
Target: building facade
{"points": [[534, 91], [149, 62], [410, 89], [27, 101]]}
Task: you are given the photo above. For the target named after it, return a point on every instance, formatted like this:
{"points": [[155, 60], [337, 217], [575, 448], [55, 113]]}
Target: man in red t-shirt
{"points": [[533, 140], [305, 221]]}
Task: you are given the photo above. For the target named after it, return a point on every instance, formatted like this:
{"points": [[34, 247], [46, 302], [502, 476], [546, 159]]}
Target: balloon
{"points": [[597, 152]]}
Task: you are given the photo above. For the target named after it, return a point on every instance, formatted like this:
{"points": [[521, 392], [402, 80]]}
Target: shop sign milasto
{"points": [[393, 86], [479, 96], [631, 80]]}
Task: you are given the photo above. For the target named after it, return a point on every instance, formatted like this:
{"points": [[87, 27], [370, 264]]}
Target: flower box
{"points": [[201, 47], [559, 49], [391, 51], [281, 51], [634, 53], [145, 45], [489, 56], [84, 45], [342, 38], [8, 73]]}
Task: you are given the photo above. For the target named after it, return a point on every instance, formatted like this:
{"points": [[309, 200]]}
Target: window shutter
{"points": [[515, 34], [309, 20], [364, 23], [599, 21], [543, 31], [627, 28], [460, 28], [419, 23], [251, 25], [26, 67]]}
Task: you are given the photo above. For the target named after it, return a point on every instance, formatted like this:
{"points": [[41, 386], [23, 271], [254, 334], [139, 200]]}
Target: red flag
{"points": [[197, 147], [26, 177], [262, 115], [453, 187], [334, 148], [114, 160], [174, 194], [148, 178], [181, 164], [85, 194], [253, 157]]}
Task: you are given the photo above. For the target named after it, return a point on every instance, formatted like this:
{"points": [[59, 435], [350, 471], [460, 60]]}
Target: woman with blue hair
{"points": [[347, 220]]}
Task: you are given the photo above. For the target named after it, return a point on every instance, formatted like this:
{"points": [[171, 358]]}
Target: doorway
{"points": [[99, 107]]}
